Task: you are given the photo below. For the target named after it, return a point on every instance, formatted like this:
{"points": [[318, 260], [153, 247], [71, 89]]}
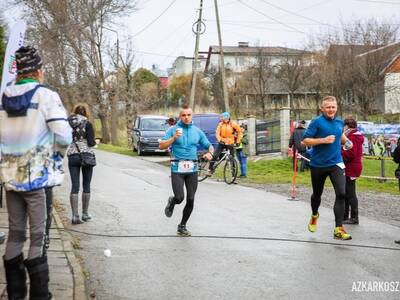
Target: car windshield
{"points": [[154, 124]]}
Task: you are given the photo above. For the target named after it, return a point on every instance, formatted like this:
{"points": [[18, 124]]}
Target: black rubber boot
{"points": [[74, 207], [16, 277], [353, 219], [38, 270], [354, 216], [85, 206]]}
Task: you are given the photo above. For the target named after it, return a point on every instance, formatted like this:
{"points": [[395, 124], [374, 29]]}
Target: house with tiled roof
{"points": [[391, 86], [239, 58], [380, 64]]}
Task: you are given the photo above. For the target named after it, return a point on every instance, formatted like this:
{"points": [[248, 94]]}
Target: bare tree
{"points": [[356, 57], [77, 28], [125, 84], [262, 78], [293, 72]]}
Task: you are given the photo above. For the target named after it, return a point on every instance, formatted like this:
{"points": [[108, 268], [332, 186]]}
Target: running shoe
{"points": [[182, 231], [312, 226], [341, 234], [169, 209]]}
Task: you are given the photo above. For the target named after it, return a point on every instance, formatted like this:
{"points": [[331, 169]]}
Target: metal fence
{"points": [[268, 137]]}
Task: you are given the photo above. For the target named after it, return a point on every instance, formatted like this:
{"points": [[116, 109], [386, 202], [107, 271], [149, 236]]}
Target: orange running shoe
{"points": [[312, 226]]}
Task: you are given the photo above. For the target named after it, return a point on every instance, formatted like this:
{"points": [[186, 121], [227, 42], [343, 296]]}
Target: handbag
{"points": [[87, 159]]}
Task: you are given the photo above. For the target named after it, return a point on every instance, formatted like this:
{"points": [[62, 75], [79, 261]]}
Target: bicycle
{"points": [[230, 167]]}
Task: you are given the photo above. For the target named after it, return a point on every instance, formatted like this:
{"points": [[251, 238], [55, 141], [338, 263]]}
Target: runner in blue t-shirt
{"points": [[183, 139], [325, 135]]}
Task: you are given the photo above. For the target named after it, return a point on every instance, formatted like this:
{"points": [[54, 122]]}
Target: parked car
{"points": [[147, 131], [207, 122]]}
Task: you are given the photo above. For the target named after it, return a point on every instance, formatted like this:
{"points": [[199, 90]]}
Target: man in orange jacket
{"points": [[228, 134]]}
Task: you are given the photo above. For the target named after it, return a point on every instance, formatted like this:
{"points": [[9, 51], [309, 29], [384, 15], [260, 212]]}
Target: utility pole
{"points": [[221, 60], [198, 24]]}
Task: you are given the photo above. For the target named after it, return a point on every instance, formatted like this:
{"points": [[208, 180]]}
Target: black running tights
{"points": [[337, 177], [351, 197], [190, 181]]}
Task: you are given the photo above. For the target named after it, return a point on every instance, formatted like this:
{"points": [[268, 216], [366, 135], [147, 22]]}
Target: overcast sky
{"points": [[267, 22]]}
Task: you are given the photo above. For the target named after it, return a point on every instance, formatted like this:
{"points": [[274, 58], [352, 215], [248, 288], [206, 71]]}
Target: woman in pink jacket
{"points": [[353, 161]]}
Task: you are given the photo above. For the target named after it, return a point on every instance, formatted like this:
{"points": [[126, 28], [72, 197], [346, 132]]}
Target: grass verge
{"points": [[117, 149], [279, 171]]}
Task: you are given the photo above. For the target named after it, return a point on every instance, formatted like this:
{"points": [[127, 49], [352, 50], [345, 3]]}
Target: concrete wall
{"points": [[252, 135], [285, 130]]}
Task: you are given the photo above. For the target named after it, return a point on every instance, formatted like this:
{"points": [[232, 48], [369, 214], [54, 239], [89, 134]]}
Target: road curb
{"points": [[79, 291]]}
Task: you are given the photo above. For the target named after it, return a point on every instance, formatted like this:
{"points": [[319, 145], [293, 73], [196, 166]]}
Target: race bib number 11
{"points": [[185, 166]]}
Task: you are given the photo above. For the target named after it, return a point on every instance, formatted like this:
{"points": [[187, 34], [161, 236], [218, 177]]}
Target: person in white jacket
{"points": [[34, 135]]}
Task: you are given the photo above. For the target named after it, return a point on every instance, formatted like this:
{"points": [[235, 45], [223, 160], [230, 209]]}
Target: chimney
{"points": [[243, 44]]}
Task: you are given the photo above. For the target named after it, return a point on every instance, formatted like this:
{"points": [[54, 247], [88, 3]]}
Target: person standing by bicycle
{"points": [[228, 133], [242, 152], [183, 139]]}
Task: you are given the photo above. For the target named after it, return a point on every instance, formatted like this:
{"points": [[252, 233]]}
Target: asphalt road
{"points": [[246, 244]]}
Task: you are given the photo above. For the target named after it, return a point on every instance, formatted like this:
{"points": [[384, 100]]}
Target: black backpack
{"points": [[78, 127]]}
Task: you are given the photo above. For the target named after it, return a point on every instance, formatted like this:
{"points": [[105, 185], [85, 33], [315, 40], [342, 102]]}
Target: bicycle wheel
{"points": [[203, 169], [230, 170]]}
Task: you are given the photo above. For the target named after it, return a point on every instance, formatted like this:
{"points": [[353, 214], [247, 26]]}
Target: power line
{"points": [[155, 54], [296, 14], [308, 7], [223, 4], [148, 53], [176, 48], [171, 34], [380, 2], [239, 22], [156, 19], [271, 18], [257, 27]]}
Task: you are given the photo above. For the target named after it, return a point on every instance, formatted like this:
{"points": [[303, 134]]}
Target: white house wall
{"points": [[239, 63], [183, 66], [392, 93]]}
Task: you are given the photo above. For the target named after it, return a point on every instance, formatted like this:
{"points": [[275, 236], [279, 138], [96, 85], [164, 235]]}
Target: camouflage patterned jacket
{"points": [[34, 135]]}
